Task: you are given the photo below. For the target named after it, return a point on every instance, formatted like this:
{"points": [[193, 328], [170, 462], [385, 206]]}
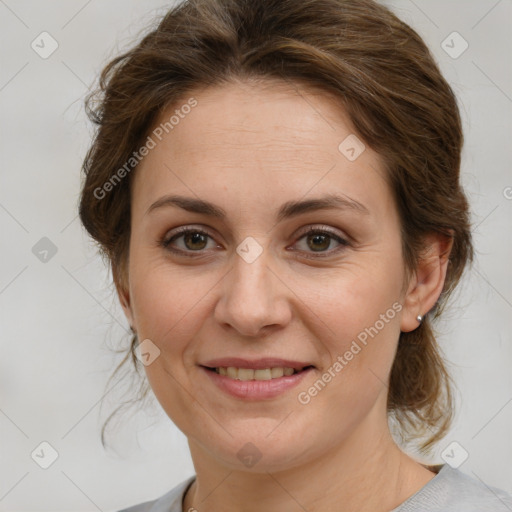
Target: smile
{"points": [[252, 374], [255, 380]]}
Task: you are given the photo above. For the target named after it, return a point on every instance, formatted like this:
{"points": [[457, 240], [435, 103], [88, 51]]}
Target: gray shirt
{"points": [[449, 491]]}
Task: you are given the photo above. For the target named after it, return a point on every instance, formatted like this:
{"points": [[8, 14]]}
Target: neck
{"points": [[365, 473]]}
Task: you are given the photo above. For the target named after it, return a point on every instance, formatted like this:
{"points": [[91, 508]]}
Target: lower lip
{"points": [[255, 389]]}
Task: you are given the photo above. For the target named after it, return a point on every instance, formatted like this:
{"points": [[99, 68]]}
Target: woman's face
{"points": [[249, 170]]}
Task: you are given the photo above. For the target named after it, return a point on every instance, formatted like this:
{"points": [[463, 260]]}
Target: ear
{"points": [[427, 282], [123, 293]]}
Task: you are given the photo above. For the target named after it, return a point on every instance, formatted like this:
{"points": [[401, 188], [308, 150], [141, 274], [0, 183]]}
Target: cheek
{"points": [[360, 318], [361, 351], [357, 297], [168, 301]]}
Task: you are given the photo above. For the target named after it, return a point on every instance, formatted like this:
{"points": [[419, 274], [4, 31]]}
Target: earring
{"points": [[420, 319]]}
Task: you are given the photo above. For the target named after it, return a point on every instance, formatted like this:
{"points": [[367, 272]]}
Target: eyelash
{"points": [[312, 230]]}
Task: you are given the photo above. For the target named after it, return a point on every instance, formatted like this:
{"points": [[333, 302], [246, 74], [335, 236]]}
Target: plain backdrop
{"points": [[59, 316]]}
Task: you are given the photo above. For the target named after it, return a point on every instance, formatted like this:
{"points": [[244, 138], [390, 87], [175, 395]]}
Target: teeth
{"points": [[245, 374], [277, 372], [265, 374], [250, 374]]}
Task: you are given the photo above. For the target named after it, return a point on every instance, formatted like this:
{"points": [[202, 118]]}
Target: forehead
{"points": [[261, 139], [274, 112]]}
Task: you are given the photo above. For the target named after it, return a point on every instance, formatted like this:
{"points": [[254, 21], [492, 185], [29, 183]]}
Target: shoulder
{"points": [[451, 490], [169, 502]]}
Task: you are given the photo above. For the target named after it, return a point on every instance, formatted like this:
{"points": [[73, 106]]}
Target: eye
{"points": [[186, 240], [319, 240]]}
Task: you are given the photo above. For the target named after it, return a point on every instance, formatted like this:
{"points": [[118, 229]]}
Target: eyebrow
{"points": [[287, 210]]}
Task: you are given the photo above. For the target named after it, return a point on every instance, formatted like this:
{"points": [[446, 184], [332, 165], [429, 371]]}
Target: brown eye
{"points": [[320, 241], [188, 240], [195, 241]]}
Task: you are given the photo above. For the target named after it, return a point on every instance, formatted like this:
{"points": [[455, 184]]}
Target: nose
{"points": [[254, 298]]}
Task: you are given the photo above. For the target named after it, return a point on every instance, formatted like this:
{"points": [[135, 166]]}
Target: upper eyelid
{"points": [[321, 228], [183, 230], [300, 232]]}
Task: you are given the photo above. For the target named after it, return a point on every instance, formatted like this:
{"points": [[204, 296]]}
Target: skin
{"points": [[248, 148]]}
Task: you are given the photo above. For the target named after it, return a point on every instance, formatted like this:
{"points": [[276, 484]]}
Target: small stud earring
{"points": [[420, 319]]}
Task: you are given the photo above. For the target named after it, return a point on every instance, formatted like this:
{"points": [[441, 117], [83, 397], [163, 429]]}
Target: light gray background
{"points": [[59, 318]]}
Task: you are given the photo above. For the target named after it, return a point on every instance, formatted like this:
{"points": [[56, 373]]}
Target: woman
{"points": [[276, 187]]}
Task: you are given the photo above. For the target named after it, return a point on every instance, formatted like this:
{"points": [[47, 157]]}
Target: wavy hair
{"points": [[384, 76]]}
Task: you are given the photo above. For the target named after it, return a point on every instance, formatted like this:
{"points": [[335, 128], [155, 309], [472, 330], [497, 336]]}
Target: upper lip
{"points": [[255, 364]]}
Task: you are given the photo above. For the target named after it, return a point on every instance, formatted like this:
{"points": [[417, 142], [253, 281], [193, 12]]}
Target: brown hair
{"points": [[393, 92]]}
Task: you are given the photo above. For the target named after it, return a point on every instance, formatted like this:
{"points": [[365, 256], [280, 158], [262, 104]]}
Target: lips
{"points": [[255, 379]]}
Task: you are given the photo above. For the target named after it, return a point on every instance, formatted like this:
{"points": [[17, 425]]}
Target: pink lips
{"points": [[255, 389]]}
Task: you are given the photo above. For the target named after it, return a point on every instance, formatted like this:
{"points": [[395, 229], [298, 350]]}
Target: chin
{"points": [[261, 446]]}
